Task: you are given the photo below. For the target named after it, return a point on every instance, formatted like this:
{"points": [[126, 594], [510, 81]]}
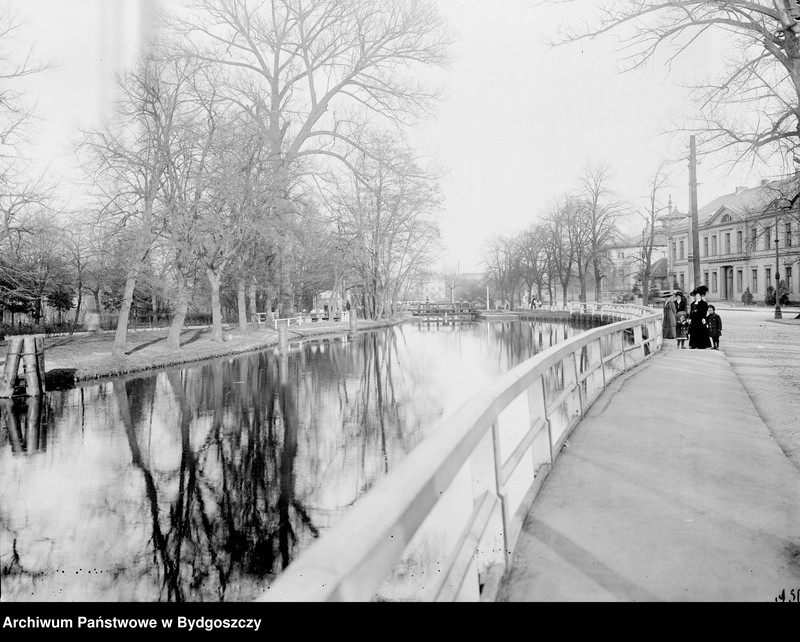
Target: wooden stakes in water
{"points": [[9, 380], [30, 350]]}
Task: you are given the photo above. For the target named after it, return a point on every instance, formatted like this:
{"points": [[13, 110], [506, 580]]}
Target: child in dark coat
{"points": [[682, 329], [714, 325]]}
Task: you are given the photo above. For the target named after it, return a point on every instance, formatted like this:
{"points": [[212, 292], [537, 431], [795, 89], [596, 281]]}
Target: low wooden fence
{"points": [[442, 526]]}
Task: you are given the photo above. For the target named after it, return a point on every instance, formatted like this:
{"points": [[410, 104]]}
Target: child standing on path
{"points": [[714, 324], [682, 329]]}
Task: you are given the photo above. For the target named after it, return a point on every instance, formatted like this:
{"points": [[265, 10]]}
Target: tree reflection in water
{"points": [[203, 483]]}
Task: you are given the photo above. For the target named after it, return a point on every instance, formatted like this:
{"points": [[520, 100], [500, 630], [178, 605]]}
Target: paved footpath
{"points": [[765, 353], [672, 488]]}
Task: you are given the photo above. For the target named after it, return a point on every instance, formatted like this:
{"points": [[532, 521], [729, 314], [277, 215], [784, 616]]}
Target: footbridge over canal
{"points": [[506, 501]]}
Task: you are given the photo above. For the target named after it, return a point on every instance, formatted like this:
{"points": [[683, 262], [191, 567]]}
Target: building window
{"points": [[713, 281], [727, 242], [682, 281], [767, 237], [681, 252], [739, 241], [739, 279], [714, 245], [767, 276], [753, 237], [705, 278], [789, 279], [754, 285], [788, 233], [705, 246], [674, 250]]}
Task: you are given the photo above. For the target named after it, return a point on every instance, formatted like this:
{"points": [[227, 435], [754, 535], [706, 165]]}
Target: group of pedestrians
{"points": [[696, 322]]}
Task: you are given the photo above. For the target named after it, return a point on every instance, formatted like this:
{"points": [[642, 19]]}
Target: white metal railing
{"points": [[626, 309], [443, 525], [343, 316]]}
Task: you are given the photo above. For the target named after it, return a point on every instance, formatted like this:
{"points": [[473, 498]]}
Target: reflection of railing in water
{"points": [[26, 421], [486, 464]]}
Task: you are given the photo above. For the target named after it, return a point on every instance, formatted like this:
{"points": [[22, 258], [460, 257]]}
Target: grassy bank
{"points": [[88, 356]]}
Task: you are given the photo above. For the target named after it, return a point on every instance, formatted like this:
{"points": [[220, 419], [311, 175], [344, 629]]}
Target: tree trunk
{"points": [[216, 313], [124, 312], [181, 306], [253, 310], [77, 308], [598, 286], [241, 304]]}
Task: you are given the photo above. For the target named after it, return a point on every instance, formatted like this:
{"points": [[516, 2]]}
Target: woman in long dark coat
{"points": [[698, 330], [668, 323], [680, 302]]}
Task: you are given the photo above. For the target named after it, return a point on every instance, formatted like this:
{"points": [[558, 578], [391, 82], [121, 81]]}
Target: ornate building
{"points": [[742, 237]]}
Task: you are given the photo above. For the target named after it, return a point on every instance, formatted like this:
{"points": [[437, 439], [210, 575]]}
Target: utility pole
{"points": [[670, 281], [694, 231]]}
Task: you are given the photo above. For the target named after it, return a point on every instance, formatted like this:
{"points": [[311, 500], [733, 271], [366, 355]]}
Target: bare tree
{"points": [[501, 256], [533, 259], [130, 154], [384, 220], [651, 215], [21, 191], [753, 110], [601, 213], [452, 279], [321, 68], [563, 237]]}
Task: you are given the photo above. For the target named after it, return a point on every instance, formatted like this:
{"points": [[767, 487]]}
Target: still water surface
{"points": [[203, 483]]}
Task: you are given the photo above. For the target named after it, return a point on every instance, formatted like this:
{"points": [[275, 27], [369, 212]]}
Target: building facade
{"points": [[746, 239], [625, 262]]}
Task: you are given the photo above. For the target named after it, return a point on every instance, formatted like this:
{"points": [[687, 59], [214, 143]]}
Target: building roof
{"points": [[659, 269], [635, 240], [744, 201]]}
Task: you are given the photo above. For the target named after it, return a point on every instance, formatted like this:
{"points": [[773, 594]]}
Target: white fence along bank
{"points": [[443, 525]]}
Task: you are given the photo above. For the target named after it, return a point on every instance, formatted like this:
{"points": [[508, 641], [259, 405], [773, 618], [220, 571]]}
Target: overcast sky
{"points": [[517, 122]]}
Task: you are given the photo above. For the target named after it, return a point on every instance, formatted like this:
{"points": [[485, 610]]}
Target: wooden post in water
{"points": [[40, 361], [30, 350], [9, 380], [31, 365]]}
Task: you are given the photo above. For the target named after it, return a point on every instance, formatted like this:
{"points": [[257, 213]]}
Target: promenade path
{"points": [[674, 487]]}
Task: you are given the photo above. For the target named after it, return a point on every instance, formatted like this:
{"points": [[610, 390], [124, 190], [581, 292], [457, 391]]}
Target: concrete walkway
{"points": [[670, 489]]}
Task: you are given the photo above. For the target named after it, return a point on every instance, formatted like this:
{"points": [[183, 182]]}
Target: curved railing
{"points": [[443, 525]]}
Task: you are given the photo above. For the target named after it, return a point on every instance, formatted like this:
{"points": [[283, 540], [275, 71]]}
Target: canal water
{"points": [[202, 483]]}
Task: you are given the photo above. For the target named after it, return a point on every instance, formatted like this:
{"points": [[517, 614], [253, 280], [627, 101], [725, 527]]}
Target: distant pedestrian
{"points": [[714, 324], [669, 318], [682, 329]]}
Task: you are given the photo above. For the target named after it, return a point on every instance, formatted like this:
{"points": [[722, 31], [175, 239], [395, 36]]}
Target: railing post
{"points": [[500, 491], [547, 418], [576, 365]]}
